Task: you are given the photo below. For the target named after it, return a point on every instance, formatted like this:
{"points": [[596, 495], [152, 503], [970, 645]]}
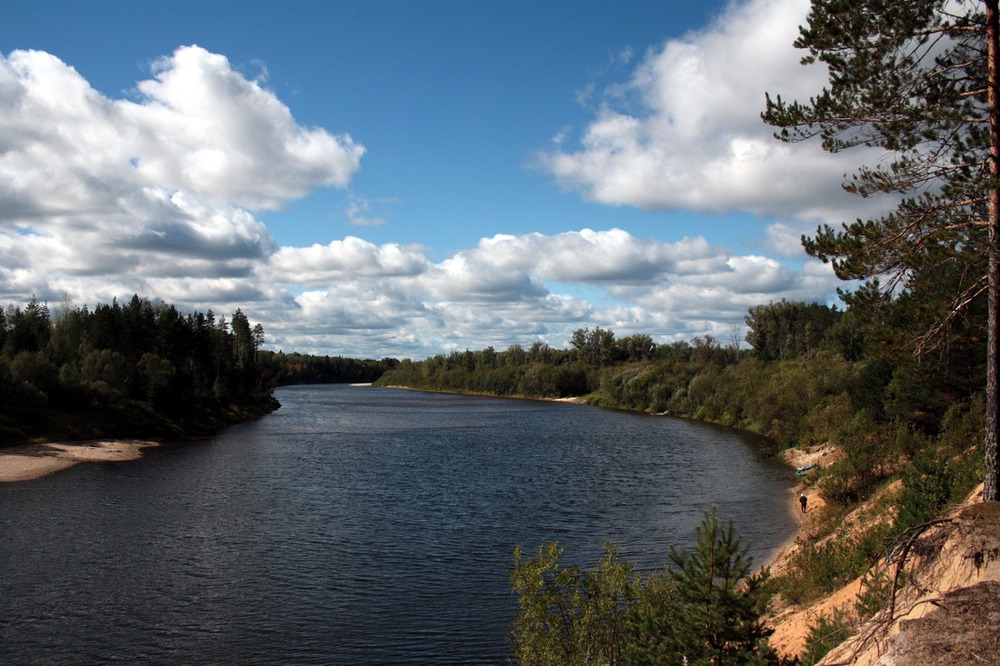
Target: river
{"points": [[356, 525]]}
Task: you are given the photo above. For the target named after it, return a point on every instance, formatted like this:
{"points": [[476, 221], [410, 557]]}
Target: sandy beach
{"points": [[31, 461], [792, 624]]}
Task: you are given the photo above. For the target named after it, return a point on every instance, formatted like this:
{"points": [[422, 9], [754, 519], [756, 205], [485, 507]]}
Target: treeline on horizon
{"points": [[295, 368], [141, 369]]}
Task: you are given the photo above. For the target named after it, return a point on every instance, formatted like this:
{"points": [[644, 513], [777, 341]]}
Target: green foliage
{"points": [[826, 418], [927, 488], [155, 378], [872, 454], [719, 601], [567, 615], [869, 387], [817, 569], [961, 440], [103, 367], [26, 330], [597, 347], [874, 593], [781, 402], [130, 369], [963, 424], [785, 330], [945, 472], [705, 610], [828, 632], [34, 370]]}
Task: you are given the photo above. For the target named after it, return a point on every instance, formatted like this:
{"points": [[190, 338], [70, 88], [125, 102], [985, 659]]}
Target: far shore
{"points": [[32, 461], [472, 394]]}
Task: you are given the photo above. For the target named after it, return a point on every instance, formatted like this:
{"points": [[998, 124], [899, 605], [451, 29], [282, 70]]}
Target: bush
{"points": [[705, 610], [871, 454], [826, 634], [819, 569], [567, 615], [927, 488], [36, 371]]}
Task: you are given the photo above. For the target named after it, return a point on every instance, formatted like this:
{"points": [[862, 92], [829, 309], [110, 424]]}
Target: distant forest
{"points": [[295, 368], [143, 370]]}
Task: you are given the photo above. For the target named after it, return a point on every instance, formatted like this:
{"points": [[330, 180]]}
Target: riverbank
{"points": [[791, 624], [33, 461], [946, 612]]}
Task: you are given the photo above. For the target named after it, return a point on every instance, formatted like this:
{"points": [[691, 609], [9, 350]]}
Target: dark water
{"points": [[355, 525]]}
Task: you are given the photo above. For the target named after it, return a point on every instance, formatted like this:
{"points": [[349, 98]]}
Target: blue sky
{"points": [[408, 178]]}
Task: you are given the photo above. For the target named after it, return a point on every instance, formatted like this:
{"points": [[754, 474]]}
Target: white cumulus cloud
{"points": [[223, 136], [156, 194], [513, 289], [685, 131], [101, 194]]}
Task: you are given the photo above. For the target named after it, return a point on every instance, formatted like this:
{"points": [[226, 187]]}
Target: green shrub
{"points": [[871, 454], [874, 593], [927, 487], [567, 615], [819, 569], [707, 609], [827, 633]]}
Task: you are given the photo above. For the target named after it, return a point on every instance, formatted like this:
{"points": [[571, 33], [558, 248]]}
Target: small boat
{"points": [[801, 471]]}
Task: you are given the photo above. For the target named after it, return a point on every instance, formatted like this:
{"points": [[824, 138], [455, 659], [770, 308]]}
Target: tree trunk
{"points": [[990, 490]]}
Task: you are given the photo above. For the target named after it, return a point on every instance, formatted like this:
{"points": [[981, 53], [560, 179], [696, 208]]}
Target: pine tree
{"points": [[718, 600], [918, 79]]}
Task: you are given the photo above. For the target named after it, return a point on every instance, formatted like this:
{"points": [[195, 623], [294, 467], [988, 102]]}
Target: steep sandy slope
{"points": [[948, 612], [946, 605]]}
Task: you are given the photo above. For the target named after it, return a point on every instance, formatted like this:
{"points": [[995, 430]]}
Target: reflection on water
{"points": [[355, 525]]}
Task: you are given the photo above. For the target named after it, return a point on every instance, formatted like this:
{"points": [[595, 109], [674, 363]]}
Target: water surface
{"points": [[355, 526]]}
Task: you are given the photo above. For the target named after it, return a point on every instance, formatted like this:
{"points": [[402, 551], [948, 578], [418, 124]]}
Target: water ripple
{"points": [[354, 526]]}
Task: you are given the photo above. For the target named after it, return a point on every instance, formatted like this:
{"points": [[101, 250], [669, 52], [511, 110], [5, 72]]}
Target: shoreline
{"points": [[775, 558], [796, 458], [793, 458], [791, 623], [27, 462]]}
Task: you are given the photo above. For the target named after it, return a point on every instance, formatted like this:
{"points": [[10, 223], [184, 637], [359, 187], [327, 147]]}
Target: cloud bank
{"points": [[156, 194]]}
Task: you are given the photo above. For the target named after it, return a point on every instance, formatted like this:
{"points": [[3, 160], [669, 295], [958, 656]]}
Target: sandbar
{"points": [[31, 461]]}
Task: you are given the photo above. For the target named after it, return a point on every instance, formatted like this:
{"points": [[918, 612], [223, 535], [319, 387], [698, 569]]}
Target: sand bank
{"points": [[31, 461]]}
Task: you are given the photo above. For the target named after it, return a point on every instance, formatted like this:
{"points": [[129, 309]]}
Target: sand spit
{"points": [[31, 461]]}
